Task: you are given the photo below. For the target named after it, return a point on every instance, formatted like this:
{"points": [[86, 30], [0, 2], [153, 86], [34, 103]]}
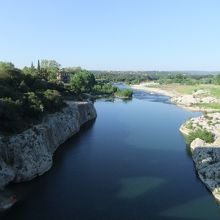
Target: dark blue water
{"points": [[130, 164]]}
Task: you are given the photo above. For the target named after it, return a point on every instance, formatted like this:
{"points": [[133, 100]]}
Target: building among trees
{"points": [[63, 76]]}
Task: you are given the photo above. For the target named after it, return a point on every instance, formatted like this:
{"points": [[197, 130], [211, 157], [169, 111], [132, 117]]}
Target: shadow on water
{"points": [[115, 100], [24, 190], [117, 169]]}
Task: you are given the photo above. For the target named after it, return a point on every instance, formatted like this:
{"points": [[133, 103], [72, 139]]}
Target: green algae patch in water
{"points": [[192, 210], [138, 186]]}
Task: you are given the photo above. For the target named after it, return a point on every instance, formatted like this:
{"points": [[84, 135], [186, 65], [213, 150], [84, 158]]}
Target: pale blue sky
{"points": [[112, 34]]}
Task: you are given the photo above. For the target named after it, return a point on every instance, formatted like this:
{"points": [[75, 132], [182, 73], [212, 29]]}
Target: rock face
{"points": [[194, 100], [206, 156], [207, 163], [197, 142], [29, 154], [185, 100]]}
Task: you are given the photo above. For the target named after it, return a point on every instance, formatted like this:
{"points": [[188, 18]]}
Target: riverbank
{"points": [[172, 94], [205, 98], [206, 156], [152, 89], [29, 154]]}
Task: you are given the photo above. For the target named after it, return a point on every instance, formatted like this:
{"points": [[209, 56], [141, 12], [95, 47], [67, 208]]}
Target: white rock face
{"points": [[201, 92], [185, 100], [30, 153], [197, 143], [195, 98]]}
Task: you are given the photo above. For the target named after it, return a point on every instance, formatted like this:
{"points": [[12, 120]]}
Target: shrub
{"points": [[23, 87], [52, 100], [104, 88], [203, 134], [7, 91], [9, 108], [11, 77], [10, 115], [189, 125], [32, 105], [125, 93], [39, 85]]}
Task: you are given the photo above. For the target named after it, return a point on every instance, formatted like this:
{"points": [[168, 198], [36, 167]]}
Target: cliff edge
{"points": [[29, 154], [206, 156]]}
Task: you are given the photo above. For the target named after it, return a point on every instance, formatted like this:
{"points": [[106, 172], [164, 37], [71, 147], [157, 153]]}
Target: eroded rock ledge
{"points": [[206, 156], [29, 154]]}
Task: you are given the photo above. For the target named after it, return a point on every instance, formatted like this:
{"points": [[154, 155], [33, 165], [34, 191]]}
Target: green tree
{"points": [[6, 66], [38, 65], [11, 77], [125, 93], [32, 65], [72, 70], [83, 81], [30, 71], [49, 69], [217, 80]]}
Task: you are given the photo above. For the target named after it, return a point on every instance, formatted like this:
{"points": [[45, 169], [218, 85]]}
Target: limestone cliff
{"points": [[29, 154], [206, 156], [207, 163]]}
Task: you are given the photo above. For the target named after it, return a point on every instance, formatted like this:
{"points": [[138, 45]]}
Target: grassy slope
{"points": [[213, 91], [189, 89]]}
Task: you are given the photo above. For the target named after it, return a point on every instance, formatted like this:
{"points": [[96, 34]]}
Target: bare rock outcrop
{"points": [[207, 163], [29, 154], [206, 156]]}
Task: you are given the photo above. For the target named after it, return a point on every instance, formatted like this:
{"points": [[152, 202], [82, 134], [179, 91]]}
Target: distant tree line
{"points": [[160, 77], [128, 78]]}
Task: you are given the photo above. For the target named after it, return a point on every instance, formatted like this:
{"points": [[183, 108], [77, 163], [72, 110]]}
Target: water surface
{"points": [[131, 163]]}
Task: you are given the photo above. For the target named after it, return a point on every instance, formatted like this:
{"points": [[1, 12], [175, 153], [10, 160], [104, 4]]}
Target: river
{"points": [[130, 164]]}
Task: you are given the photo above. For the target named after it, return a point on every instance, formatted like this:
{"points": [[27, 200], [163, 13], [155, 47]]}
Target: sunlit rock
{"points": [[30, 153]]}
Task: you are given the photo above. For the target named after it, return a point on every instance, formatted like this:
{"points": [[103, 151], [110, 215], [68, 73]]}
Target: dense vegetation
{"points": [[203, 134], [125, 93], [104, 89], [25, 98], [83, 82], [125, 77], [185, 78], [27, 95]]}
